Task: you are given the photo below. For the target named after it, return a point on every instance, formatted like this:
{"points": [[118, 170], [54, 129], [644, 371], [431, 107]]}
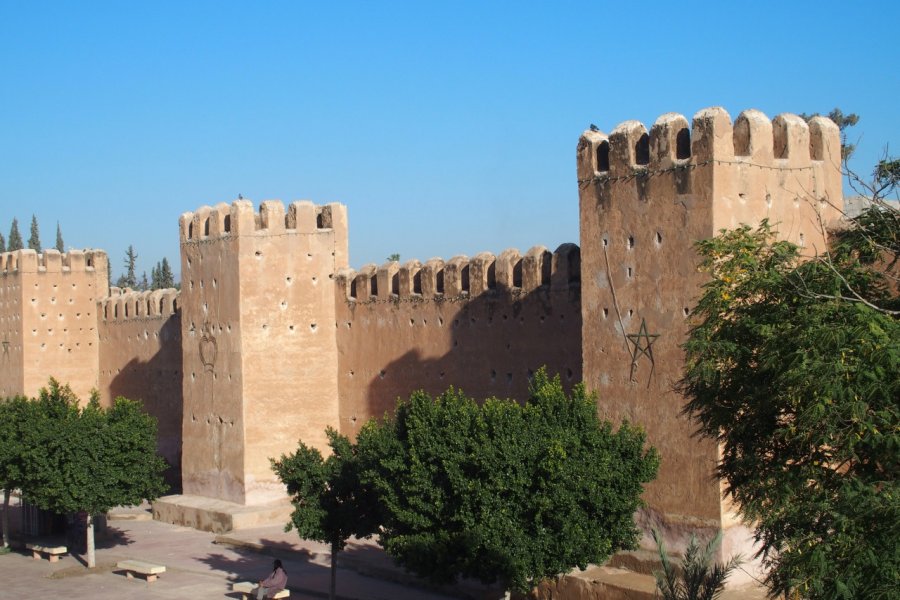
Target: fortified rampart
{"points": [[645, 199], [48, 321], [281, 340], [272, 338], [482, 324], [140, 358]]}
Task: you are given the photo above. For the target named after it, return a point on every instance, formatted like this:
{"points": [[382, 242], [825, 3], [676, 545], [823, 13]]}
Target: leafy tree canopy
{"points": [[13, 429], [794, 367], [330, 502], [89, 459], [504, 491]]}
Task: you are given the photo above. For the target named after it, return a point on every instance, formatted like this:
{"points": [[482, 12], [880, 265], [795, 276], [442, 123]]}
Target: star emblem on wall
{"points": [[641, 344]]}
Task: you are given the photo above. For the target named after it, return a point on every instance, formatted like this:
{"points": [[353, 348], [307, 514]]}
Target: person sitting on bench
{"points": [[272, 584]]}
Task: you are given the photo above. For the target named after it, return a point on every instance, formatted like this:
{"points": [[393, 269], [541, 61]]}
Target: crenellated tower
{"points": [[259, 349], [48, 319], [645, 199]]}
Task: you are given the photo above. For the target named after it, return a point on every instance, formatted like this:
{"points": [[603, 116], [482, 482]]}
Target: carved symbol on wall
{"points": [[5, 347], [641, 344], [208, 348]]}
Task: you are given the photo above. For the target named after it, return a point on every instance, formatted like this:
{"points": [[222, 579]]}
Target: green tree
{"points": [[13, 429], [60, 245], [92, 459], [15, 238], [794, 368], [503, 491], [330, 503], [696, 578], [166, 278], [34, 240], [2, 243], [395, 257], [144, 284], [161, 276], [129, 278]]}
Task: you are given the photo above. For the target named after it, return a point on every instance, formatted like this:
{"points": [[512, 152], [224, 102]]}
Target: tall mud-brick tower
{"points": [[48, 320], [645, 199], [260, 354]]}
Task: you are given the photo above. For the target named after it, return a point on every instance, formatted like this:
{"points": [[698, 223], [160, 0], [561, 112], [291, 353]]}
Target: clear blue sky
{"points": [[445, 127]]}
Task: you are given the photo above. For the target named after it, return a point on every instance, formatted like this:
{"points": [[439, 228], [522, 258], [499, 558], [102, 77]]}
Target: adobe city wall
{"points": [[140, 358], [281, 340], [272, 337], [645, 199], [483, 325]]}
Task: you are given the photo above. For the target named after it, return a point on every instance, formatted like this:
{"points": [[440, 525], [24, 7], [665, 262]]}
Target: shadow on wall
{"points": [[157, 383], [487, 341]]}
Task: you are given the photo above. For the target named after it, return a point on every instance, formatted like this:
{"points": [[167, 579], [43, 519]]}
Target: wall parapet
{"points": [[462, 277], [786, 142], [240, 218], [52, 261], [128, 305]]}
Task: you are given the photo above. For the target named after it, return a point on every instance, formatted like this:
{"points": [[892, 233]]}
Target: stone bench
{"points": [[53, 552], [246, 588], [148, 570]]}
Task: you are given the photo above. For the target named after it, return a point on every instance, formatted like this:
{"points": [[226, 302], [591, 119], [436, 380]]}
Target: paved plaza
{"points": [[204, 565], [200, 566]]}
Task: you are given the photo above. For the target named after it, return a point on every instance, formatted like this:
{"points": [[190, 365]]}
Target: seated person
{"points": [[272, 584]]}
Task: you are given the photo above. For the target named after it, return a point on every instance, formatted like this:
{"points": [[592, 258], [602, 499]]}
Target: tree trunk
{"points": [[334, 553], [90, 542], [5, 518]]}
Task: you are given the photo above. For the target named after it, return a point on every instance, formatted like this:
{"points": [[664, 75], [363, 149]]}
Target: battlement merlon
{"points": [[53, 261], [785, 141], [128, 305], [463, 276], [239, 218]]}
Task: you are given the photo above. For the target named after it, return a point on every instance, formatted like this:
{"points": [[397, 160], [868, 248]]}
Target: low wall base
{"points": [[218, 516], [610, 583]]}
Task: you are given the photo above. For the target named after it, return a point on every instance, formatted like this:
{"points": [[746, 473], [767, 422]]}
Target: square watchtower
{"points": [[645, 199]]}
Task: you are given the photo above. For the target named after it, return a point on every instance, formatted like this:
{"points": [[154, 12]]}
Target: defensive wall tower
{"points": [[140, 358], [259, 346], [48, 319], [645, 199], [482, 324]]}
